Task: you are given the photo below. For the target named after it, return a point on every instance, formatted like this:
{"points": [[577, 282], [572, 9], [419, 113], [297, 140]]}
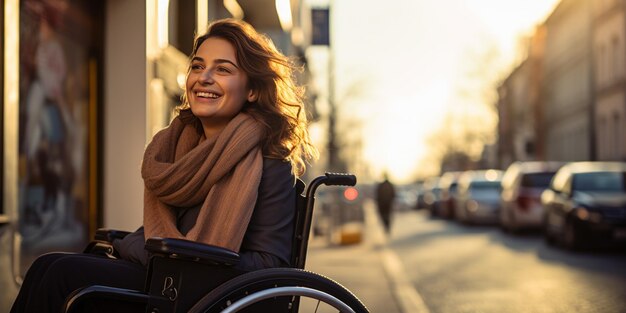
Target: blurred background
{"points": [[430, 94]]}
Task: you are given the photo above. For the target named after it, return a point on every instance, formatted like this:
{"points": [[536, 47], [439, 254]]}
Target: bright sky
{"points": [[398, 62]]}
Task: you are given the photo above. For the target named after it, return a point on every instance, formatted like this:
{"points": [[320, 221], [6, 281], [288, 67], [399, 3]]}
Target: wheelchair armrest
{"points": [[108, 235], [103, 242], [100, 248], [181, 248]]}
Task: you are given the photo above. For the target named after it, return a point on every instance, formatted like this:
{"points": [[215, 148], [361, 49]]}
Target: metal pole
{"points": [[332, 118]]}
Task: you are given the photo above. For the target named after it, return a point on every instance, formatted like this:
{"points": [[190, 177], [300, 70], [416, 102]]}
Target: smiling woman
{"points": [[216, 88], [222, 173]]}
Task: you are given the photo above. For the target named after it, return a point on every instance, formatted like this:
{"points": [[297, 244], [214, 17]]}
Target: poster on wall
{"points": [[59, 42]]}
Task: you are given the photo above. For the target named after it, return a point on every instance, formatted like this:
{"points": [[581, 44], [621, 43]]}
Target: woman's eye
{"points": [[196, 67], [223, 69]]}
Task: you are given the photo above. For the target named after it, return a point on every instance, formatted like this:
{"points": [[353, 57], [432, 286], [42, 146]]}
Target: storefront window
{"points": [[59, 48], [181, 27], [2, 212]]}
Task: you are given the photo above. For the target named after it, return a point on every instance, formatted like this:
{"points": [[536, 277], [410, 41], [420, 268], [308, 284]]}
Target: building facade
{"points": [[520, 107], [579, 109], [521, 136], [609, 59], [567, 93]]}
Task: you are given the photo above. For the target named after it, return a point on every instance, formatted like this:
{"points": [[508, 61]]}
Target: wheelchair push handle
{"points": [[330, 179], [340, 179]]}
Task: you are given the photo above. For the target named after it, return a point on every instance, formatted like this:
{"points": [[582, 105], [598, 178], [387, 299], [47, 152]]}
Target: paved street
{"points": [[436, 266], [458, 268], [360, 267]]}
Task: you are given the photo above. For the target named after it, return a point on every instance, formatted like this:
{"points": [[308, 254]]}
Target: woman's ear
{"points": [[252, 95]]}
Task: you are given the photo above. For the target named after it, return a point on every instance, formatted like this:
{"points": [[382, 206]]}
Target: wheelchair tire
{"points": [[247, 284]]}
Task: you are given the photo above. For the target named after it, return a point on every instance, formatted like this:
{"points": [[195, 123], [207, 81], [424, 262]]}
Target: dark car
{"points": [[585, 204], [432, 194], [448, 186]]}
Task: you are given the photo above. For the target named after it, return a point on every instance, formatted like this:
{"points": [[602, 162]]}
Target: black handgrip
{"points": [[340, 179], [108, 235]]}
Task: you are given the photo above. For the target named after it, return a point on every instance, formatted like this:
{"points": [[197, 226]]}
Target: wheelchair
{"points": [[177, 278]]}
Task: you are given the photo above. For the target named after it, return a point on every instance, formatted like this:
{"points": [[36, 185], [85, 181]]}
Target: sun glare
{"points": [[409, 59], [506, 20]]}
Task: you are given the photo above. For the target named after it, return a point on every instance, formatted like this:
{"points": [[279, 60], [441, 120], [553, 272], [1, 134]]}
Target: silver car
{"points": [[478, 197], [522, 185]]}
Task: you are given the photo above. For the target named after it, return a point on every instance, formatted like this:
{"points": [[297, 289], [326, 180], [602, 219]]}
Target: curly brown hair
{"points": [[280, 103]]}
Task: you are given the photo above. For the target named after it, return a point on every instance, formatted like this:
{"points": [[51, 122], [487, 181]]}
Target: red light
{"points": [[351, 194]]}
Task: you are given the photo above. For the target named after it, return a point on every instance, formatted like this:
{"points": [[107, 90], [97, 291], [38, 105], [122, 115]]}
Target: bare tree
{"points": [[471, 124]]}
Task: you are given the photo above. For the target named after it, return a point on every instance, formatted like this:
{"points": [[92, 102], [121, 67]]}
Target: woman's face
{"points": [[216, 86]]}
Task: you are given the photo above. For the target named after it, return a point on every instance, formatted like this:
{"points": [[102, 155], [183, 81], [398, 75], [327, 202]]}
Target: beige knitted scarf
{"points": [[181, 169]]}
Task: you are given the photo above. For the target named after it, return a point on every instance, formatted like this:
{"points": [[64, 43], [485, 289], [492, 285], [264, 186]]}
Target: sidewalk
{"points": [[368, 269]]}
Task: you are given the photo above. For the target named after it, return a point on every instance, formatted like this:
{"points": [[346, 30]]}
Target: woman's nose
{"points": [[207, 77]]}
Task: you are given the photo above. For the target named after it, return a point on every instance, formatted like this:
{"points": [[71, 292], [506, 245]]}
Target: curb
{"points": [[405, 294]]}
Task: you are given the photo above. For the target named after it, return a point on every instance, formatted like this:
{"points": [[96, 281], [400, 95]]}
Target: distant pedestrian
{"points": [[385, 193]]}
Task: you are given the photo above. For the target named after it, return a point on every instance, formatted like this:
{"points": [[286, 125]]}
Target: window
{"points": [[600, 66], [599, 181], [535, 180], [597, 66], [2, 110], [614, 63], [58, 143], [615, 135], [602, 138], [622, 137], [607, 138], [181, 25], [477, 187]]}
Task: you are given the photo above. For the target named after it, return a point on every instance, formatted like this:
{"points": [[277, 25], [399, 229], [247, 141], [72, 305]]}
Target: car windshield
{"points": [[534, 180], [485, 186], [599, 181]]}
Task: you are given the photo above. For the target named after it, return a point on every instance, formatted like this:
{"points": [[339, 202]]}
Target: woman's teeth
{"points": [[203, 94]]}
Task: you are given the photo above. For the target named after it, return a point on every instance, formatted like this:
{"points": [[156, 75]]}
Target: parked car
{"points": [[586, 203], [419, 196], [448, 186], [432, 194], [406, 198], [479, 197], [522, 185]]}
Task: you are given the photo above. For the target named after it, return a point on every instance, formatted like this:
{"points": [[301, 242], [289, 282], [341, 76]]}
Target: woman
{"points": [[221, 173]]}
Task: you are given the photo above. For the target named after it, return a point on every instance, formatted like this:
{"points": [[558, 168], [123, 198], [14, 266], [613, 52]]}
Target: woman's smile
{"points": [[217, 87], [204, 94]]}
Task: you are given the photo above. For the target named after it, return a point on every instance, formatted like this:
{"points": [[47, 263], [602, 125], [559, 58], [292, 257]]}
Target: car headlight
{"points": [[585, 215]]}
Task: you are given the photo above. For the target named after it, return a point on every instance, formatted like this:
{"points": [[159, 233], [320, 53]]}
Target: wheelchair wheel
{"points": [[289, 287]]}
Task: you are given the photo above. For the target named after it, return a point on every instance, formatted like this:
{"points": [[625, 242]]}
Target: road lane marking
{"points": [[405, 293]]}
